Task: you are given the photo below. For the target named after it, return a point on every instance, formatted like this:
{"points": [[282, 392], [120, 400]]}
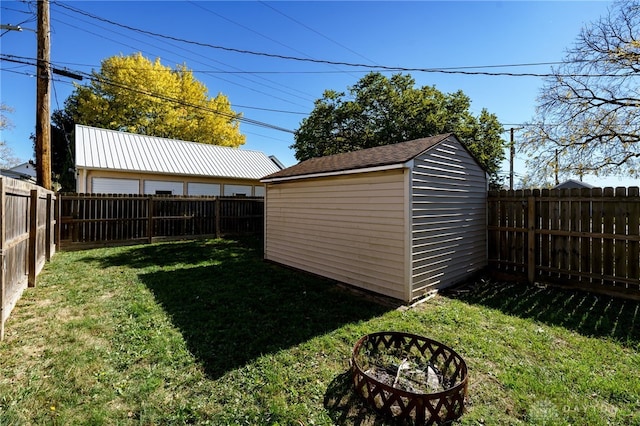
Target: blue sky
{"points": [[280, 92]]}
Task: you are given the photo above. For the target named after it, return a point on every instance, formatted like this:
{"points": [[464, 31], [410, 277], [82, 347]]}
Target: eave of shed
{"points": [[377, 158]]}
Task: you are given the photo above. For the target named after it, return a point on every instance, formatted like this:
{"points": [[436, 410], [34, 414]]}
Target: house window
{"points": [[237, 190], [210, 189], [100, 185], [163, 187]]}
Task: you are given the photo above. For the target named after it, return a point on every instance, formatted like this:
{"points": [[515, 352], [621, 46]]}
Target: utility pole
{"points": [[43, 101]]}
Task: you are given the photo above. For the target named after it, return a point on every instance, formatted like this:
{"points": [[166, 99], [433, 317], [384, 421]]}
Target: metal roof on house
{"points": [[113, 150], [386, 155]]}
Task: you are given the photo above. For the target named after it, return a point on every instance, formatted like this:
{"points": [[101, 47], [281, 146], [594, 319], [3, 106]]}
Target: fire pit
{"points": [[410, 377]]}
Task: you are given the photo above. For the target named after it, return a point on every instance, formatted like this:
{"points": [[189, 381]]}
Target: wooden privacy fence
{"points": [[96, 220], [27, 230], [578, 238]]}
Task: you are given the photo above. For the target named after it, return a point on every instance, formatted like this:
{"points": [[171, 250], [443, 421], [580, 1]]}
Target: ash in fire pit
{"points": [[410, 377]]}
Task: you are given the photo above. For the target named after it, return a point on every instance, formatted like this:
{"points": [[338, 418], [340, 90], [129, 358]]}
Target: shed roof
{"points": [[398, 153], [113, 150]]}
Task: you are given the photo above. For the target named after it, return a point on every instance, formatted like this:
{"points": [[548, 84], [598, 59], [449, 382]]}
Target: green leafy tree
{"points": [[381, 111], [63, 152], [588, 114], [133, 94]]}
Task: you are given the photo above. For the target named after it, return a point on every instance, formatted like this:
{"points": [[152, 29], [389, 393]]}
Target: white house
{"points": [[109, 161], [25, 171]]}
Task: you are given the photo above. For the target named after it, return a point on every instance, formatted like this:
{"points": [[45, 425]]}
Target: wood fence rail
{"points": [[585, 239], [98, 220], [27, 231]]}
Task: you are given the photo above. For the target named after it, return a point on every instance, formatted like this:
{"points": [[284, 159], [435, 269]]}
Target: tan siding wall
{"points": [[347, 228], [449, 217]]}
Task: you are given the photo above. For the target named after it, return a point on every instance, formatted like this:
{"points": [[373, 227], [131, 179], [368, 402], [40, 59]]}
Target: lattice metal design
{"points": [[429, 378]]}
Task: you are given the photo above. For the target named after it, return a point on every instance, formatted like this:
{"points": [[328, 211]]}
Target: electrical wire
{"points": [[23, 60], [280, 90], [331, 62], [251, 29], [169, 99], [315, 31]]}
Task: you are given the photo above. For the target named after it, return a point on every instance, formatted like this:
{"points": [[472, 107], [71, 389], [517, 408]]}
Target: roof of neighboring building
{"points": [[572, 183], [398, 153], [113, 150], [23, 171]]}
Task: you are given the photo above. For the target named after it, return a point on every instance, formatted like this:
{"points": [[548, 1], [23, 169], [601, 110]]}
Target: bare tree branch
{"points": [[592, 124]]}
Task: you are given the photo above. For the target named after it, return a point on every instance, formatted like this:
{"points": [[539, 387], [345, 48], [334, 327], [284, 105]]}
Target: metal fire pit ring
{"points": [[437, 399]]}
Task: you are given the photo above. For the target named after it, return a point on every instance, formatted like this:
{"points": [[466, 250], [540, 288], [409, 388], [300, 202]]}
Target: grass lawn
{"points": [[205, 332]]}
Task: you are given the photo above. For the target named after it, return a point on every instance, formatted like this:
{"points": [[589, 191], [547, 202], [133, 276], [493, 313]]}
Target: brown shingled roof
{"points": [[385, 155]]}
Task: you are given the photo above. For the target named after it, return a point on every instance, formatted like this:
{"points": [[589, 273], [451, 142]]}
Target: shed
{"points": [[109, 161], [400, 220]]}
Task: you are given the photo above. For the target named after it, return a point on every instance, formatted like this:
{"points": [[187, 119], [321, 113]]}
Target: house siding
{"points": [[448, 205], [349, 228], [86, 180]]}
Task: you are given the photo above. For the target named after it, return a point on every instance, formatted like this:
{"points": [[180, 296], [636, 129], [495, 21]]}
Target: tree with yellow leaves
{"points": [[133, 94]]}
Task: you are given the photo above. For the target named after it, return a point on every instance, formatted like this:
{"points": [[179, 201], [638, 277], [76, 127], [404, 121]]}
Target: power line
{"points": [[223, 79], [22, 60], [282, 89], [188, 104], [257, 87], [169, 99], [314, 31], [249, 29], [331, 62]]}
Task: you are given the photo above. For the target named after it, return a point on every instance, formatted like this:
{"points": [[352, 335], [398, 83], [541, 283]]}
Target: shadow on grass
{"points": [[231, 306], [589, 314], [345, 407]]}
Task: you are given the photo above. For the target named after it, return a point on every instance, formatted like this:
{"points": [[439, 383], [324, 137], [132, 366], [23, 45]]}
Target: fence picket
{"points": [[621, 228], [545, 223], [607, 242], [634, 230], [519, 240], [26, 229], [574, 227], [109, 219], [585, 239], [584, 214]]}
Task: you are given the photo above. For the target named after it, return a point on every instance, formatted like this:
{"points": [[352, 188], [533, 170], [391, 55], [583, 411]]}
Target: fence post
{"points": [[150, 218], [217, 213], [58, 214], [32, 257], [531, 239], [49, 229], [2, 257]]}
